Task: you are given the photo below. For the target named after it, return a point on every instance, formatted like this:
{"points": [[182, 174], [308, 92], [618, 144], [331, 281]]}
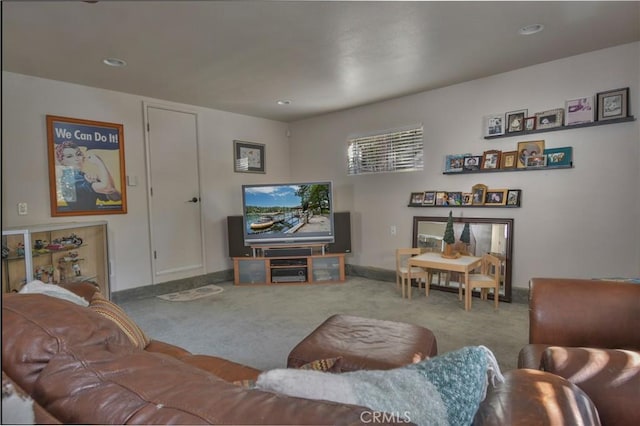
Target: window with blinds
{"points": [[398, 150]]}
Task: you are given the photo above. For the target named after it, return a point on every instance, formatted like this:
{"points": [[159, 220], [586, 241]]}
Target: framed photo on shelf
{"points": [[538, 160], [513, 197], [579, 111], [248, 157], [479, 192], [494, 125], [417, 198], [86, 167], [559, 156], [528, 148], [442, 198], [454, 199], [453, 163], [429, 198], [613, 104], [530, 123], [549, 119], [472, 162], [496, 197], [491, 159], [515, 120], [467, 198], [508, 160]]}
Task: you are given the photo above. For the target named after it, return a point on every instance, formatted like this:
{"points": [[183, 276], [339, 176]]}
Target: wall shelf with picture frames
{"points": [[526, 169], [479, 196], [556, 129]]}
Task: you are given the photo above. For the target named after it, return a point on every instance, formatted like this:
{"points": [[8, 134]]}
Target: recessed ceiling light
{"points": [[114, 62], [531, 29], [283, 102]]}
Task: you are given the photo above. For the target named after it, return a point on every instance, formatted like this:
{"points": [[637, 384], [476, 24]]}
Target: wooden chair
{"points": [[402, 270], [489, 277]]}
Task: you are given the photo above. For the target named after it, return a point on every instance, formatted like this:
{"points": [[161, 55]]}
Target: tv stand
{"points": [[289, 264]]}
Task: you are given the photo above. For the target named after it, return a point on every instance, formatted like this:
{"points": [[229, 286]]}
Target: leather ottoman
{"points": [[364, 343]]}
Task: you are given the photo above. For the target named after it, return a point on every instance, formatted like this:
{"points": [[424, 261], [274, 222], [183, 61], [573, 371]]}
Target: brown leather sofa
{"points": [[588, 331], [80, 367]]}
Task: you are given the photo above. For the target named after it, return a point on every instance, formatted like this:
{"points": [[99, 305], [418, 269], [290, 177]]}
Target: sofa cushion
{"points": [[610, 377], [35, 328], [110, 310], [124, 385], [444, 390]]}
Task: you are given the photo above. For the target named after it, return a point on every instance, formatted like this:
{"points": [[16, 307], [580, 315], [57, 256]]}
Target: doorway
{"points": [[175, 217]]}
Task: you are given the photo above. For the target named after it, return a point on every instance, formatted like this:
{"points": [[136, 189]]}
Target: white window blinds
{"points": [[398, 150]]}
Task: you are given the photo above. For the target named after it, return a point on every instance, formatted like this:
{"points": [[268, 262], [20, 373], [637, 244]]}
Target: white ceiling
{"points": [[243, 56]]}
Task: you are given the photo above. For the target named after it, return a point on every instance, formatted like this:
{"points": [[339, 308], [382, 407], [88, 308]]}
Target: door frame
{"points": [[155, 276]]}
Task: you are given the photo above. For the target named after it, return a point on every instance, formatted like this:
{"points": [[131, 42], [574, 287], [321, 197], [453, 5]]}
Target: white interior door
{"points": [[174, 194]]}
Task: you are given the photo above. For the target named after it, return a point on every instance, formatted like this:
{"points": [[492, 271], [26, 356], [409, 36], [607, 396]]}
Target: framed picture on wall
{"points": [[491, 159], [429, 198], [479, 192], [248, 157], [515, 120], [472, 162], [416, 199], [528, 148], [494, 125], [508, 160], [86, 167], [559, 156], [549, 119], [579, 111], [530, 123], [513, 197], [613, 104], [496, 197]]}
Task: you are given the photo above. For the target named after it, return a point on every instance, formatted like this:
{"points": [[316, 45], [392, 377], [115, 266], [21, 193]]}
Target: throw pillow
{"points": [[331, 365], [444, 390], [38, 287], [108, 309]]}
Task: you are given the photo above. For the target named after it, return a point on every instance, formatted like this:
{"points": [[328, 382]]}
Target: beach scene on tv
{"points": [[287, 209]]}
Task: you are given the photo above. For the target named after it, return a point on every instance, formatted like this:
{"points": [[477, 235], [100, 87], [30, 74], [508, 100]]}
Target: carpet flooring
{"points": [[259, 325]]}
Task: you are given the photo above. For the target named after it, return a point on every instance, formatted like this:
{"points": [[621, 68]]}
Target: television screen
{"points": [[288, 213]]}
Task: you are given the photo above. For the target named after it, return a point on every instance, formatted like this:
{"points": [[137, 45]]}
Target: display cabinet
{"points": [[56, 253]]}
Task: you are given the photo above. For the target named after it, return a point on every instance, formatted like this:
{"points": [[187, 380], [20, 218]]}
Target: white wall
{"points": [[580, 222], [26, 100]]}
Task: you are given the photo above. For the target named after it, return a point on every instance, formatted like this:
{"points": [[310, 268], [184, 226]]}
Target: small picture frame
{"points": [[549, 119], [479, 192], [467, 198], [533, 161], [454, 163], [472, 162], [508, 160], [248, 157], [454, 199], [417, 198], [515, 120], [495, 197], [612, 104], [494, 125], [513, 197], [491, 159], [578, 111], [559, 156], [528, 148], [530, 124], [442, 198], [429, 198]]}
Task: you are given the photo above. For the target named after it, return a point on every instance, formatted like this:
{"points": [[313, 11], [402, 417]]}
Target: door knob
{"points": [[193, 200]]}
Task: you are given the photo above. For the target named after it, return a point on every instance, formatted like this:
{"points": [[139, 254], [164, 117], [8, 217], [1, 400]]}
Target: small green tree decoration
{"points": [[449, 238], [465, 237]]}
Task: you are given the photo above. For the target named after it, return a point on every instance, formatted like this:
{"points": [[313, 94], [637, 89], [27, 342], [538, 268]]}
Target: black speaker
{"points": [[341, 232], [235, 237]]}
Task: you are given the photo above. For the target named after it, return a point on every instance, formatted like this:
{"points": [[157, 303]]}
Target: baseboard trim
{"points": [[518, 294]]}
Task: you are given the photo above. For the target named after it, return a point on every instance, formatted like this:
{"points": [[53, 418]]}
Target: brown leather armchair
{"points": [[587, 331]]}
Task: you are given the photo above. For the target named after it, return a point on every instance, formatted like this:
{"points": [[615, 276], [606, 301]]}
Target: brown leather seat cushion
{"points": [[364, 343]]}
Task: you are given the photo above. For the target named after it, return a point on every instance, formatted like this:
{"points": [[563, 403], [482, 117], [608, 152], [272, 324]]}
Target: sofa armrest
{"points": [[530, 356], [610, 377], [533, 398], [587, 313]]}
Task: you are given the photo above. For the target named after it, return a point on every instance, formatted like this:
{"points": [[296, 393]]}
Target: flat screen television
{"points": [[288, 213]]}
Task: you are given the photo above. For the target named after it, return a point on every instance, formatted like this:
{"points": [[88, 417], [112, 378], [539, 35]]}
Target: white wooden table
{"points": [[433, 260]]}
